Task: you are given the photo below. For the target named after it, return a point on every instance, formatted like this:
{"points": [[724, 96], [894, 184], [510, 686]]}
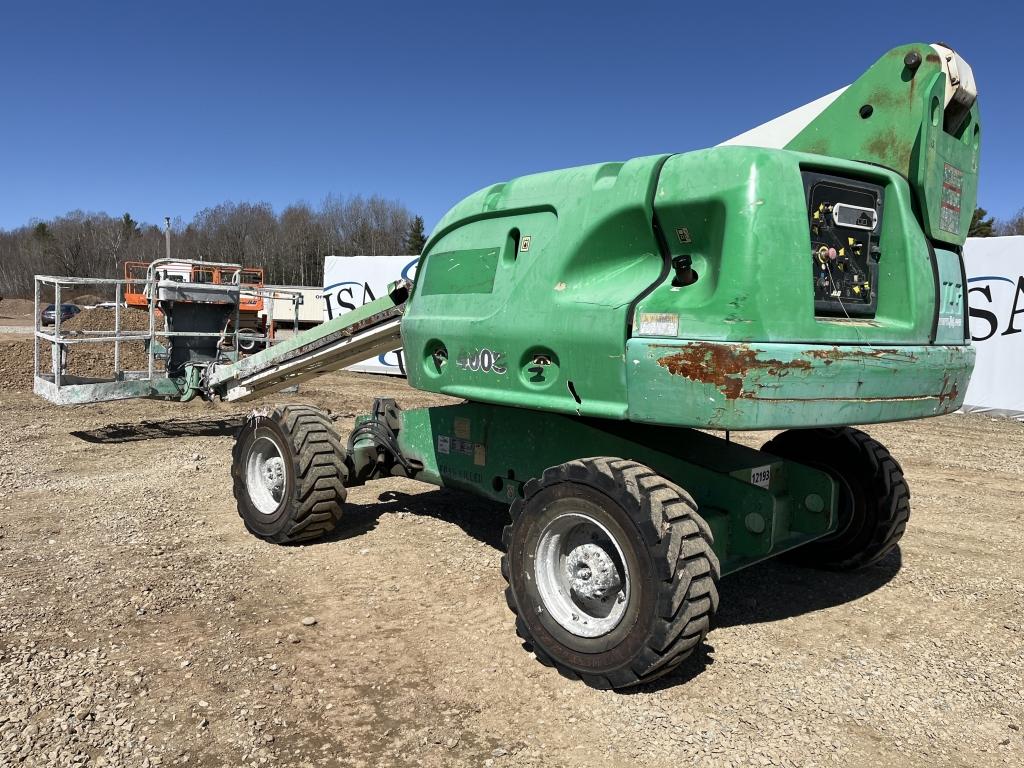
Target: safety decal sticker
{"points": [[658, 324], [952, 190], [443, 444]]}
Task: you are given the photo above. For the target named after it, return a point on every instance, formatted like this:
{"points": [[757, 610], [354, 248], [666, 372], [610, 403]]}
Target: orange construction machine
{"points": [[252, 322]]}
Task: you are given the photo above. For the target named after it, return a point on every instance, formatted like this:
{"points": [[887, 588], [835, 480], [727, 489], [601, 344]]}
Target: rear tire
{"points": [[288, 471], [610, 571], [874, 501]]}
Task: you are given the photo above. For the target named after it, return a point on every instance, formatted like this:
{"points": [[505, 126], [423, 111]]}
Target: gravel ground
{"points": [[140, 625]]}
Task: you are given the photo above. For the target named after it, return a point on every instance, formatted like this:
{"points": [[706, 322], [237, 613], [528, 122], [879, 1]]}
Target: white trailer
{"points": [[283, 305]]}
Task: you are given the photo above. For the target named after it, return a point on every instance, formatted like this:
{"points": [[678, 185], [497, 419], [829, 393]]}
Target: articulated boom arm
{"points": [[372, 329]]}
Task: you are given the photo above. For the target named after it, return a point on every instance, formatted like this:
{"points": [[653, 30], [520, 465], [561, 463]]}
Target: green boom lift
{"points": [[596, 319]]}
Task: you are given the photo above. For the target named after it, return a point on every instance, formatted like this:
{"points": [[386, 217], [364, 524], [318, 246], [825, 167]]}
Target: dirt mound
{"points": [[100, 319], [16, 365], [97, 360], [90, 360], [88, 298], [16, 309]]}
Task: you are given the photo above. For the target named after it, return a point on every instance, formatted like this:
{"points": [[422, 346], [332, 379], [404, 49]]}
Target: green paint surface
{"points": [[577, 246], [468, 271], [492, 451], [746, 214], [567, 324]]}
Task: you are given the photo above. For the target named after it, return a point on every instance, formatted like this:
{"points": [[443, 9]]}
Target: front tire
{"points": [[610, 571], [874, 500], [288, 471]]}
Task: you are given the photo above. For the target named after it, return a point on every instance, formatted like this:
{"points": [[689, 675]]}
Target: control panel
{"points": [[845, 220]]}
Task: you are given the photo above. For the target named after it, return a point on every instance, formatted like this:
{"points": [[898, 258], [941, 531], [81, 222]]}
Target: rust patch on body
{"points": [[726, 366], [883, 98], [889, 149], [831, 355], [948, 393], [739, 373]]}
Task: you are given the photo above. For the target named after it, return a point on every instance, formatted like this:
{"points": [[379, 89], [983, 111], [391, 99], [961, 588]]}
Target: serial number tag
{"points": [[854, 216], [761, 476]]}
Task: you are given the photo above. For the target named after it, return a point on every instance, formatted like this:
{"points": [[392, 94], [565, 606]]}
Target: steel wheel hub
{"points": [[591, 572], [273, 476], [581, 575], [265, 476]]}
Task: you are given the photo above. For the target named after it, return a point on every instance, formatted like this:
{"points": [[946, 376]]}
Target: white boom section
{"points": [[777, 133]]}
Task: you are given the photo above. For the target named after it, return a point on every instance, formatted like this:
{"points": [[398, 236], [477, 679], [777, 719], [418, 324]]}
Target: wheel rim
{"points": [[581, 575], [265, 476], [245, 341], [846, 510]]}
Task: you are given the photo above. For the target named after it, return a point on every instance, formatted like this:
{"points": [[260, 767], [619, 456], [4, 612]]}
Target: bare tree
{"points": [[1012, 226], [290, 247]]}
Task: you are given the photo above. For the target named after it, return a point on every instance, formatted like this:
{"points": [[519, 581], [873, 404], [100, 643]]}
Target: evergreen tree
{"points": [[416, 238], [130, 227], [980, 226]]}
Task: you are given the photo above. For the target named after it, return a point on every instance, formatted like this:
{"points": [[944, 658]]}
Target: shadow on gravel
{"points": [[775, 590], [480, 518], [160, 430], [692, 666]]}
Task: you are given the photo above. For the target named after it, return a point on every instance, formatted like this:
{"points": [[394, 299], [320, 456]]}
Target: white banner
{"points": [[995, 278], [351, 281], [995, 283]]}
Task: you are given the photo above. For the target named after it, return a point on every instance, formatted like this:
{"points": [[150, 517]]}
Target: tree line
{"points": [[290, 245], [983, 225]]}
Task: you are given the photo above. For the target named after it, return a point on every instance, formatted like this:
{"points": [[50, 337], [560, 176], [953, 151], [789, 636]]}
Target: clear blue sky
{"points": [[172, 107]]}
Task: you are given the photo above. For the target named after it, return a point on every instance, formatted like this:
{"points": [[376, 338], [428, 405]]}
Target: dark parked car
{"points": [[67, 311]]}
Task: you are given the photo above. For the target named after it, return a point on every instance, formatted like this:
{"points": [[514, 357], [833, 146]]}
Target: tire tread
{"points": [[319, 470], [680, 542]]}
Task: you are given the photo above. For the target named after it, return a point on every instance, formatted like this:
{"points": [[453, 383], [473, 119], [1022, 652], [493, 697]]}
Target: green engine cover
{"points": [[524, 291], [569, 291]]}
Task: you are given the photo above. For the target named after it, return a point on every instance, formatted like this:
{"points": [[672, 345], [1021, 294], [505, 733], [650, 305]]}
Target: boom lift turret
{"points": [[596, 319]]}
